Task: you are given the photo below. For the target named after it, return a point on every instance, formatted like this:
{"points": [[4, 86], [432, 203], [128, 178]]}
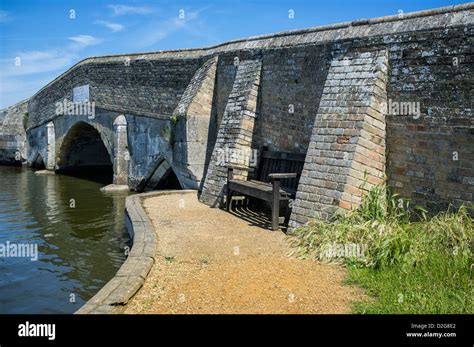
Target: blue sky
{"points": [[39, 40]]}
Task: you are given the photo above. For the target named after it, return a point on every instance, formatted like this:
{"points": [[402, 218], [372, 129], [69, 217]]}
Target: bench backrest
{"points": [[280, 162]]}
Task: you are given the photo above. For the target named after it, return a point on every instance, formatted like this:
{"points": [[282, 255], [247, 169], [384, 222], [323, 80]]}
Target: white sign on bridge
{"points": [[80, 94]]}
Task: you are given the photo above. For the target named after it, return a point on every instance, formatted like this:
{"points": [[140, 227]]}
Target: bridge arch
{"points": [[37, 161], [161, 176], [82, 149]]}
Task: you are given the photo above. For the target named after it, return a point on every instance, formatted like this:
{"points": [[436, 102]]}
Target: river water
{"points": [[79, 232]]}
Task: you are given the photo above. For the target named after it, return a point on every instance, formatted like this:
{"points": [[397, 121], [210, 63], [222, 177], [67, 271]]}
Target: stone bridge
{"points": [[363, 100], [145, 150]]}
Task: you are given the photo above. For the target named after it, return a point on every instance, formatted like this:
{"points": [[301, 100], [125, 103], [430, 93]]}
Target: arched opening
{"points": [[169, 181], [37, 162], [83, 154], [163, 177]]}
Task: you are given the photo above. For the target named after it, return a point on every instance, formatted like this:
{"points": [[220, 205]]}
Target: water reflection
{"points": [[80, 233]]}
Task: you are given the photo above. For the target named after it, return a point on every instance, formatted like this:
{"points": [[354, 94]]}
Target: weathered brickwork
{"points": [[290, 91], [195, 118], [12, 134], [235, 136], [430, 154], [428, 146], [144, 87], [431, 163], [347, 146]]}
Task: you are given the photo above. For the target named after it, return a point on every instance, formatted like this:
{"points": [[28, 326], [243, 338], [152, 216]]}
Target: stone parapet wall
{"points": [[119, 84], [135, 85]]}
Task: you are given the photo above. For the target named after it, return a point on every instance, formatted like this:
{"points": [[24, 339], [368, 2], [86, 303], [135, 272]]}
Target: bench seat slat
{"points": [[257, 189], [284, 156], [262, 186]]}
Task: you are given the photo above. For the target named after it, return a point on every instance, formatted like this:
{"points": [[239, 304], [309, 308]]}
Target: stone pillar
{"points": [[121, 154], [235, 133], [347, 144], [51, 147]]}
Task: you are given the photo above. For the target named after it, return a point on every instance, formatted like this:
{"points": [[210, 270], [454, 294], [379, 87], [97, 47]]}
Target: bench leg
{"points": [[228, 199], [287, 214], [275, 216], [276, 205]]}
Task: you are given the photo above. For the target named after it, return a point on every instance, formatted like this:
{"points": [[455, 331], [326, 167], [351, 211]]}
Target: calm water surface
{"points": [[79, 249]]}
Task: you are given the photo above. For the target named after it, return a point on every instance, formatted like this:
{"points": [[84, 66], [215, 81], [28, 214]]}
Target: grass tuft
{"points": [[410, 263]]}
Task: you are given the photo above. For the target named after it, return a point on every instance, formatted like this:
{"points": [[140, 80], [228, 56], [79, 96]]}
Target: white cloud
{"points": [[157, 31], [81, 41], [115, 27], [24, 73], [120, 10], [33, 62], [4, 16], [13, 90]]}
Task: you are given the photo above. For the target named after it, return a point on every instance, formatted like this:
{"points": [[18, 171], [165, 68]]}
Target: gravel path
{"points": [[210, 261]]}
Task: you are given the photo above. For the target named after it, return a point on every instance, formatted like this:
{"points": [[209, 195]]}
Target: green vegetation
{"points": [[167, 133], [174, 119], [410, 263]]}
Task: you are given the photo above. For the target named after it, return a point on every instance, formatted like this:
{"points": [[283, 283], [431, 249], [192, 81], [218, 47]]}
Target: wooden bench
{"points": [[277, 177]]}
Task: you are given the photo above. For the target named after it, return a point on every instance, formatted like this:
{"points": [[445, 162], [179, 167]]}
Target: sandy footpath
{"points": [[210, 261]]}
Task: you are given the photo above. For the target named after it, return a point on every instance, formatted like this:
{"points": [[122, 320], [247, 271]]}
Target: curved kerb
{"points": [[130, 277]]}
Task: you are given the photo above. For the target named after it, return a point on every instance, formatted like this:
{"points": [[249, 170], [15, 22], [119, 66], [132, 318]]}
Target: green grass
{"points": [[439, 286], [411, 263]]}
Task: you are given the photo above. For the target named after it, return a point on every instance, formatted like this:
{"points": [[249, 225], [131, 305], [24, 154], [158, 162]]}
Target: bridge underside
{"points": [[82, 150]]}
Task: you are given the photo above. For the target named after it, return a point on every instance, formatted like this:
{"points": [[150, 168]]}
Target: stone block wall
{"points": [[150, 87], [235, 137], [430, 152], [431, 164], [149, 144], [291, 88], [195, 128], [13, 134], [347, 147], [292, 81]]}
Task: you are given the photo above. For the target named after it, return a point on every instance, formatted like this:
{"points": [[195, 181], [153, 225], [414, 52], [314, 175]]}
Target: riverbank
{"points": [[412, 263], [210, 261]]}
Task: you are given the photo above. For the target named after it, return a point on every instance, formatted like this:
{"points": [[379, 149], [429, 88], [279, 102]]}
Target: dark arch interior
{"points": [[38, 162], [162, 178], [84, 155], [170, 181]]}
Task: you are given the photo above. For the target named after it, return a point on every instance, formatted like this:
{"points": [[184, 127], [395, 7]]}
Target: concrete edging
{"points": [[131, 275]]}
